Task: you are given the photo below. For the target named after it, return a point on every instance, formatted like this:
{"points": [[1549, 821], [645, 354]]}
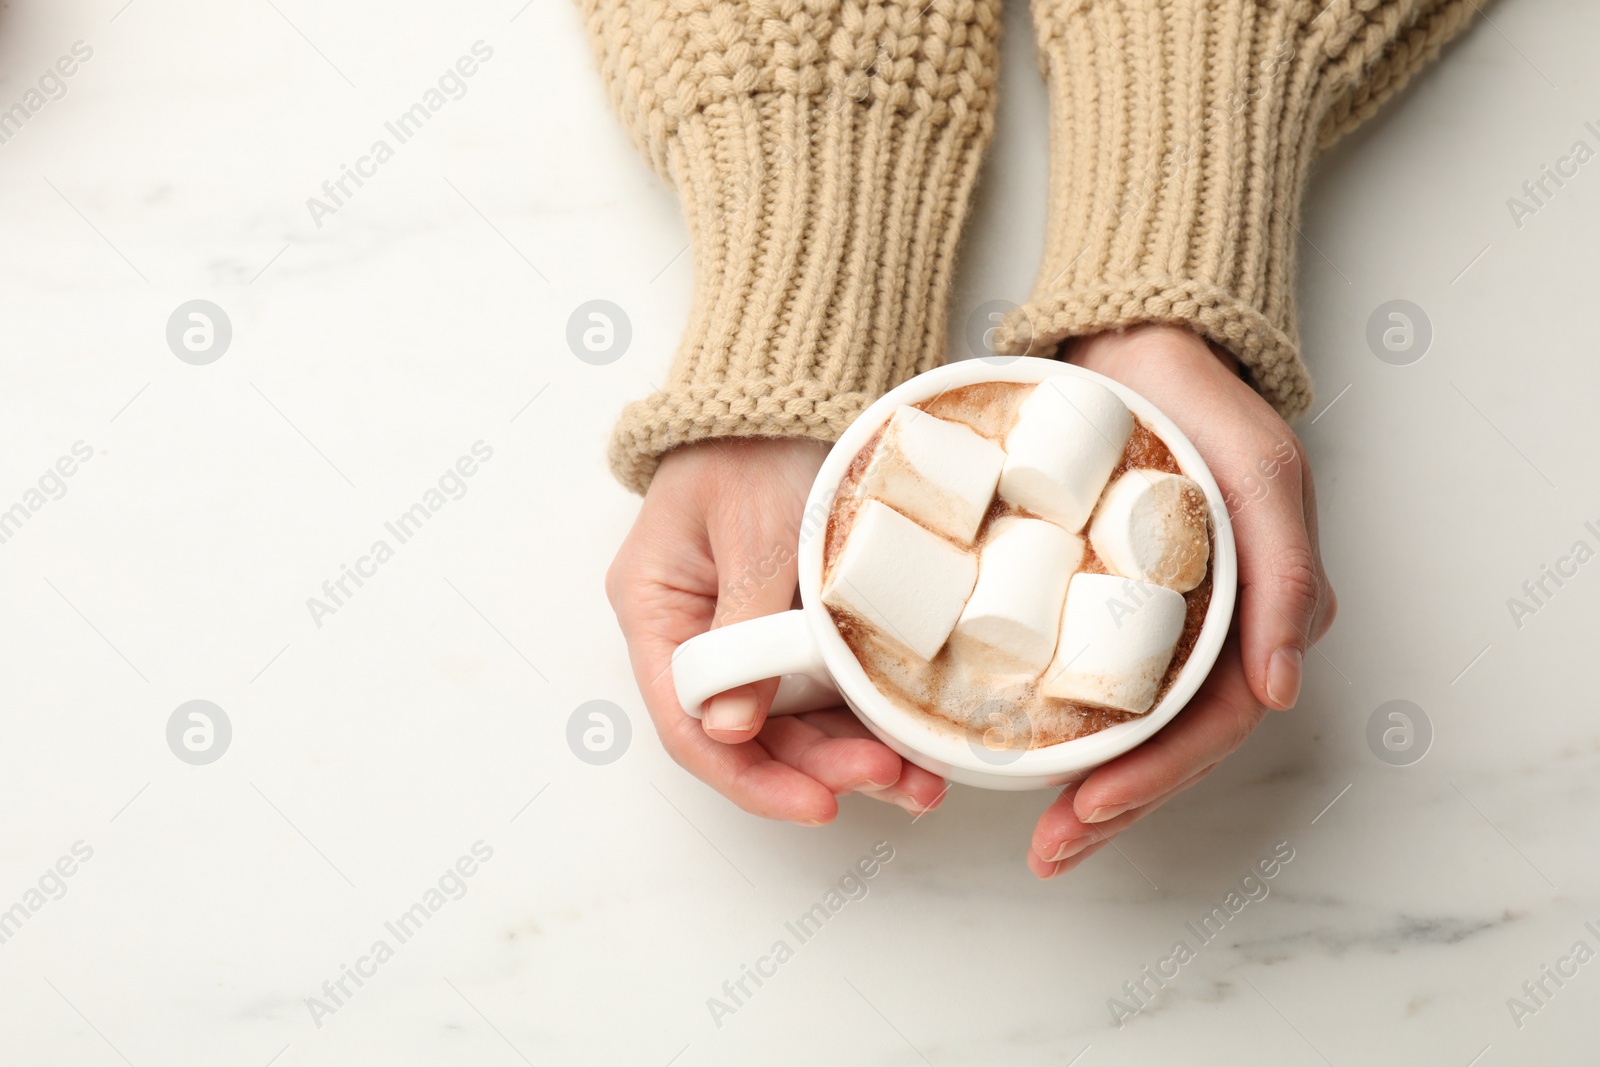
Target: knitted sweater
{"points": [[825, 151]]}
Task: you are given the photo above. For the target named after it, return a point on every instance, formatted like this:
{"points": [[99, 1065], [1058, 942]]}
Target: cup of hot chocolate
{"points": [[1010, 573]]}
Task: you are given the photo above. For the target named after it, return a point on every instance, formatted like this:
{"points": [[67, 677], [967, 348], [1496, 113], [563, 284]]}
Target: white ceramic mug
{"points": [[817, 669]]}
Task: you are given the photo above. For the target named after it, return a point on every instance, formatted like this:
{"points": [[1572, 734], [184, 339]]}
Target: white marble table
{"points": [[423, 714]]}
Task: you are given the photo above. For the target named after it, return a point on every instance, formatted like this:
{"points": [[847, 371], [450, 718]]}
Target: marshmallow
{"points": [[1117, 638], [1151, 525], [938, 472], [1015, 609], [905, 582], [1068, 438]]}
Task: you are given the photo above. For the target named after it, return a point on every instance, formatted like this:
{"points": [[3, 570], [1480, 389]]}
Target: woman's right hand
{"points": [[715, 544]]}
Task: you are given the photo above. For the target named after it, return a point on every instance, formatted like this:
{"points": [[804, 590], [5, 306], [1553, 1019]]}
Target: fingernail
{"points": [[1068, 849], [1055, 870], [909, 804], [1283, 676], [732, 712], [872, 787], [1110, 811]]}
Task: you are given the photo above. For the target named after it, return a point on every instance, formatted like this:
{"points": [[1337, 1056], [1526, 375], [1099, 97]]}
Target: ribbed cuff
{"points": [[746, 407], [824, 216], [1181, 136]]}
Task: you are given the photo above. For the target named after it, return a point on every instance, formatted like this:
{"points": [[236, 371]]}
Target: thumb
{"points": [[756, 576], [1280, 584]]}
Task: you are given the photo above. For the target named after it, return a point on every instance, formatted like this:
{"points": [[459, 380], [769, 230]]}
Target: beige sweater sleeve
{"points": [[824, 152], [1181, 135]]}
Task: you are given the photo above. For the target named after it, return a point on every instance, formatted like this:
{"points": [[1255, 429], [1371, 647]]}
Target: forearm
{"points": [[824, 156], [1182, 132]]}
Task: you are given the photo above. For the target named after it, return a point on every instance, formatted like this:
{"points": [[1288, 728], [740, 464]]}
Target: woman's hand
{"points": [[1285, 602], [714, 544]]}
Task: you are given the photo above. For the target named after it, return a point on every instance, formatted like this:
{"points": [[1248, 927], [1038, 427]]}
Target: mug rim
{"points": [[950, 746]]}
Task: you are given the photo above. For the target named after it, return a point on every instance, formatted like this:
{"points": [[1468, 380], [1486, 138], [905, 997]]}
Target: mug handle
{"points": [[773, 646]]}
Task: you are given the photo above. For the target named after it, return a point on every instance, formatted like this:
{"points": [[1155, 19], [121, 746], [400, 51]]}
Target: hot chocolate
{"points": [[1022, 564]]}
